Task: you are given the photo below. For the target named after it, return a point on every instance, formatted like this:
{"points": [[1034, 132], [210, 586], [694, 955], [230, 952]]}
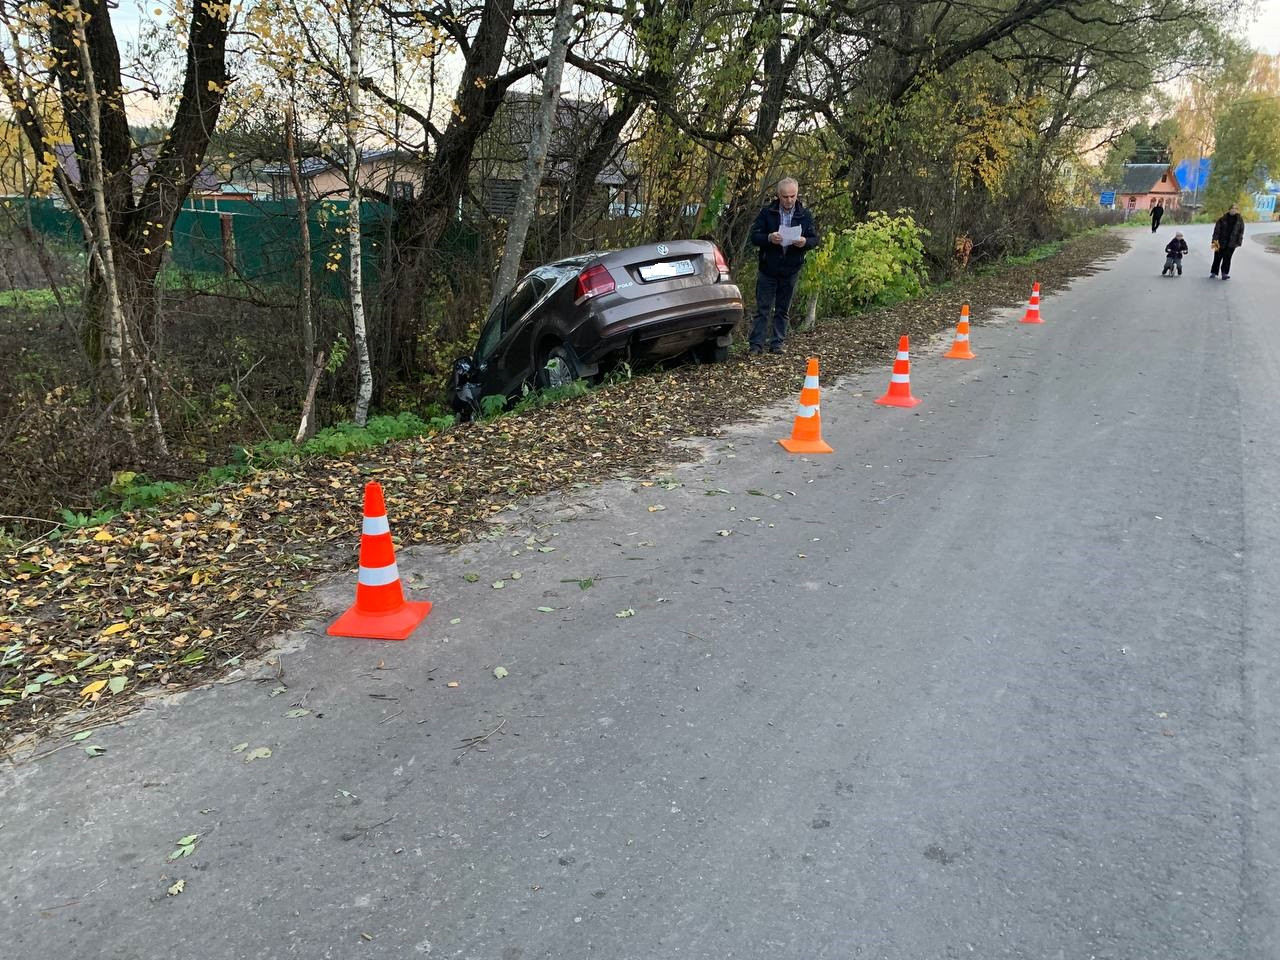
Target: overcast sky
{"points": [[1265, 32]]}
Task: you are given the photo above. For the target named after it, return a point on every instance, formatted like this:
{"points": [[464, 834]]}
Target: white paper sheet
{"points": [[789, 235]]}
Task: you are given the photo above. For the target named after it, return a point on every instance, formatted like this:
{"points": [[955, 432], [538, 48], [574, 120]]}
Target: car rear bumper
{"points": [[662, 326]]}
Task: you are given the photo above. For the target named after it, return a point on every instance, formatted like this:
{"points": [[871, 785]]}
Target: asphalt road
{"points": [[998, 679]]}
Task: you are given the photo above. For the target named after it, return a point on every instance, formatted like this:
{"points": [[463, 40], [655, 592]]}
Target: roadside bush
{"points": [[874, 263]]}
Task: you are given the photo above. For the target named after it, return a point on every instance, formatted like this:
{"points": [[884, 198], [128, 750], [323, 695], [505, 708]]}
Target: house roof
{"points": [[1143, 177], [206, 181], [310, 166], [575, 127]]}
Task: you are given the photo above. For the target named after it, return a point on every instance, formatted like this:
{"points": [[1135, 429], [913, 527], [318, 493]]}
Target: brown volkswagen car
{"points": [[576, 318]]}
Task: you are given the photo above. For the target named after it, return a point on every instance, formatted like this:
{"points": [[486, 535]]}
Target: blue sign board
{"points": [[1264, 202], [1193, 175], [1108, 198]]}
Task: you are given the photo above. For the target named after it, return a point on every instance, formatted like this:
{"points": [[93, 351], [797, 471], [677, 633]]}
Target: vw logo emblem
{"points": [[663, 250]]}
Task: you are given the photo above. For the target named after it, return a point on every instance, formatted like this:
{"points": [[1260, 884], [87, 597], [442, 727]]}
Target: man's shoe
{"points": [[777, 348], [1225, 277], [1213, 276], [755, 351]]}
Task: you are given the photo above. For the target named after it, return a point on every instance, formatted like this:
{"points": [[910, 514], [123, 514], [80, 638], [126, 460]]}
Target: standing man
{"points": [[1228, 233], [784, 232], [1157, 214]]}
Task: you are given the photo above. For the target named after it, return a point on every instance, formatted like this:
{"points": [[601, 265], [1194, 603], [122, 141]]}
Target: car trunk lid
{"points": [[668, 267]]}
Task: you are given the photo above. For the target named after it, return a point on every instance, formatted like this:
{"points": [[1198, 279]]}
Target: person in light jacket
{"points": [[779, 263]]}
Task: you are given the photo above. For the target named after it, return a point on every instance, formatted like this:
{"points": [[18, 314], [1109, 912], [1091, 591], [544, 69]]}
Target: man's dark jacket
{"points": [[1229, 231], [775, 260]]}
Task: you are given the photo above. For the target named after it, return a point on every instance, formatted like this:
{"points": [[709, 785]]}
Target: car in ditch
{"points": [[578, 317]]}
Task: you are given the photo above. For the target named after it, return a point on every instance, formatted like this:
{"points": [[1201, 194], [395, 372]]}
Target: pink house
{"points": [[1145, 183]]}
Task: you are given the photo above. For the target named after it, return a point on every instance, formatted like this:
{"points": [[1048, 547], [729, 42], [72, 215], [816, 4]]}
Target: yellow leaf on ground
{"points": [[103, 537], [91, 688], [115, 628]]}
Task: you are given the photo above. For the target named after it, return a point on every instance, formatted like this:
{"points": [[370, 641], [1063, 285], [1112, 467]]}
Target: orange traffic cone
{"points": [[960, 349], [1033, 309], [899, 393], [806, 432], [380, 611]]}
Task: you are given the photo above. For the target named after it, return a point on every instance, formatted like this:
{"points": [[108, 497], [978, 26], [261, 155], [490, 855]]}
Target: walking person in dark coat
{"points": [[1228, 233], [784, 232], [1157, 214]]}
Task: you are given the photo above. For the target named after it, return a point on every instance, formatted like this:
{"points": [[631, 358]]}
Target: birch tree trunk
{"points": [[535, 164], [354, 50], [102, 251], [304, 240]]}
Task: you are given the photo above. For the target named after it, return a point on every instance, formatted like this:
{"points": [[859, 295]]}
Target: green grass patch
{"points": [[40, 299], [1043, 252], [130, 491], [344, 439]]}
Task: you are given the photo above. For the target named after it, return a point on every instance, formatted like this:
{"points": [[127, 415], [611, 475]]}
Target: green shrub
{"points": [[537, 399], [877, 262], [135, 491], [492, 405], [76, 520]]}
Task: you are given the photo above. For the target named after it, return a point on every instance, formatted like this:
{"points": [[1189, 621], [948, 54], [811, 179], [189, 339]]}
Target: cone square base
{"points": [[792, 445], [955, 354], [1028, 318], [396, 625], [891, 401]]}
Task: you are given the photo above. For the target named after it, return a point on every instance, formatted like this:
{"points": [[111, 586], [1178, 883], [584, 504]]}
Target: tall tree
{"points": [[68, 49], [355, 237], [536, 161]]}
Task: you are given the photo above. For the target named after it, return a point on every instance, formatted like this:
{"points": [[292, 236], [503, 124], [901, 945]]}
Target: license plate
{"points": [[666, 269]]}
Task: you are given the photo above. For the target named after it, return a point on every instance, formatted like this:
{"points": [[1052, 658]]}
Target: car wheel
{"points": [[558, 368], [711, 352]]}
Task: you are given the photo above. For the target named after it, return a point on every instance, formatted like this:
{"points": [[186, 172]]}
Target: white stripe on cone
{"points": [[378, 576], [806, 411], [375, 525], [811, 383], [899, 378], [904, 355]]}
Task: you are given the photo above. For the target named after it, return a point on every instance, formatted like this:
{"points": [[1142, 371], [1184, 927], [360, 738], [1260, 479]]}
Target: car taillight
{"points": [[594, 281], [722, 265]]}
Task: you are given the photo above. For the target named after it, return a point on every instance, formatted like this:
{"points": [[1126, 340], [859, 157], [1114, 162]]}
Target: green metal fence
{"points": [[259, 240]]}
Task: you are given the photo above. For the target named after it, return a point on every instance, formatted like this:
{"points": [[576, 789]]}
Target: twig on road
{"points": [[470, 742]]}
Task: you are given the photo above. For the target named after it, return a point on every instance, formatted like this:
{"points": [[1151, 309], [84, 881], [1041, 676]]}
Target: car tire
{"points": [[711, 352], [558, 367]]}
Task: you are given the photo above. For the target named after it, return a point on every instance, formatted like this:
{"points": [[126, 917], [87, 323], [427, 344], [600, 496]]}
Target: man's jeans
{"points": [[772, 294]]}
